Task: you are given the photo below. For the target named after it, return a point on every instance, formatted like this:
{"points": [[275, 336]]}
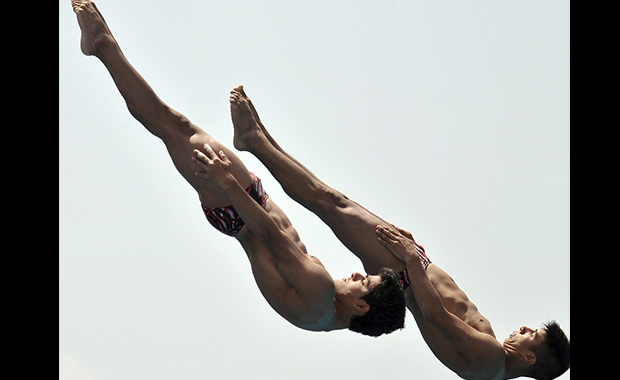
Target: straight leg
{"points": [[179, 135], [351, 223]]}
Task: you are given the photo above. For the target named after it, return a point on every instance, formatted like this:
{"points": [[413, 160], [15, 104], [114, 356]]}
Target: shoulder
{"points": [[489, 356], [481, 355]]}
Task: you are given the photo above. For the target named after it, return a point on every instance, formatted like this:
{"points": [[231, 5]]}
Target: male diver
{"points": [[457, 333], [295, 284]]}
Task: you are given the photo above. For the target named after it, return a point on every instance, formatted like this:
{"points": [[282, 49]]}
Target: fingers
{"points": [[387, 231], [202, 162], [208, 161], [209, 150], [223, 157], [384, 242], [386, 236], [209, 156], [201, 157], [405, 233]]}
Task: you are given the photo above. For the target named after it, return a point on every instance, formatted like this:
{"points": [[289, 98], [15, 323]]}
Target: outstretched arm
{"points": [[307, 278], [218, 170], [425, 293], [475, 347]]}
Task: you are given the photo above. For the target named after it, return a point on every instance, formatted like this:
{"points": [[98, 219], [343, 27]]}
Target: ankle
{"points": [[103, 45], [258, 144]]}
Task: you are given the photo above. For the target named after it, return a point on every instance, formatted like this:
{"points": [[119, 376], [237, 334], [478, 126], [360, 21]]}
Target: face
{"points": [[525, 338], [356, 286]]}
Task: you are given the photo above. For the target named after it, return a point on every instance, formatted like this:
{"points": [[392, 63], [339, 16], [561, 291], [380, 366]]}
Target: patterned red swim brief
{"points": [[403, 275], [226, 219]]}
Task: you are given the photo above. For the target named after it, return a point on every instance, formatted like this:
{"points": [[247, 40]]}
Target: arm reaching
{"points": [[217, 168], [476, 348], [403, 248], [398, 241], [309, 280]]}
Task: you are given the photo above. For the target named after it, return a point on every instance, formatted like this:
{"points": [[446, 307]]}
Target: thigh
{"points": [[269, 281], [355, 226], [180, 145]]}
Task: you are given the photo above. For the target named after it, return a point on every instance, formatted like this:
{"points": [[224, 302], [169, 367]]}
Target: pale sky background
{"points": [[448, 118]]}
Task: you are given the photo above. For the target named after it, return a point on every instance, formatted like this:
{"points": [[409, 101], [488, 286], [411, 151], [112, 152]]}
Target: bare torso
{"points": [[457, 303], [277, 292], [482, 357], [355, 226]]}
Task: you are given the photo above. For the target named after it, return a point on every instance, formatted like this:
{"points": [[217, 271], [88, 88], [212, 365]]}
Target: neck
{"points": [[513, 364], [342, 314]]}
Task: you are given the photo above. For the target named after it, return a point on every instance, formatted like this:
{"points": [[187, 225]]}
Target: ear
{"points": [[361, 306], [529, 358]]}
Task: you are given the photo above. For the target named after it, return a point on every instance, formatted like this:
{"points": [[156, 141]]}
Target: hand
{"points": [[398, 241], [406, 234], [216, 168]]}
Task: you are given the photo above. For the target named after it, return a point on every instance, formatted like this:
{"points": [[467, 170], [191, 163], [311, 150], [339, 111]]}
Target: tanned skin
{"points": [[451, 324], [295, 284]]}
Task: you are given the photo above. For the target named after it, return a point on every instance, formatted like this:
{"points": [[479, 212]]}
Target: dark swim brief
{"points": [[226, 219], [403, 275]]}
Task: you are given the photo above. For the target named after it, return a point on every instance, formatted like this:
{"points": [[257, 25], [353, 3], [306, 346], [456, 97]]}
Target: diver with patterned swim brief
{"points": [[455, 330], [372, 305]]}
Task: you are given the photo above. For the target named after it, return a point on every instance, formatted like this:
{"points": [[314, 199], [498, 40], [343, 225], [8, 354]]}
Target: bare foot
{"points": [[245, 120], [239, 89], [95, 31], [260, 123]]}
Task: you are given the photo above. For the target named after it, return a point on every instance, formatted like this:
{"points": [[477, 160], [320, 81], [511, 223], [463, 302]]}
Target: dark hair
{"points": [[553, 355], [387, 307]]}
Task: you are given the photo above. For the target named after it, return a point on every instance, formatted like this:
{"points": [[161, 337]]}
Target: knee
{"points": [[163, 121], [175, 121], [138, 113], [326, 198]]}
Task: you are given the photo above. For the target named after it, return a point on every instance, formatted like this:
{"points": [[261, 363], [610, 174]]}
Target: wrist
{"points": [[227, 182], [412, 260]]}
